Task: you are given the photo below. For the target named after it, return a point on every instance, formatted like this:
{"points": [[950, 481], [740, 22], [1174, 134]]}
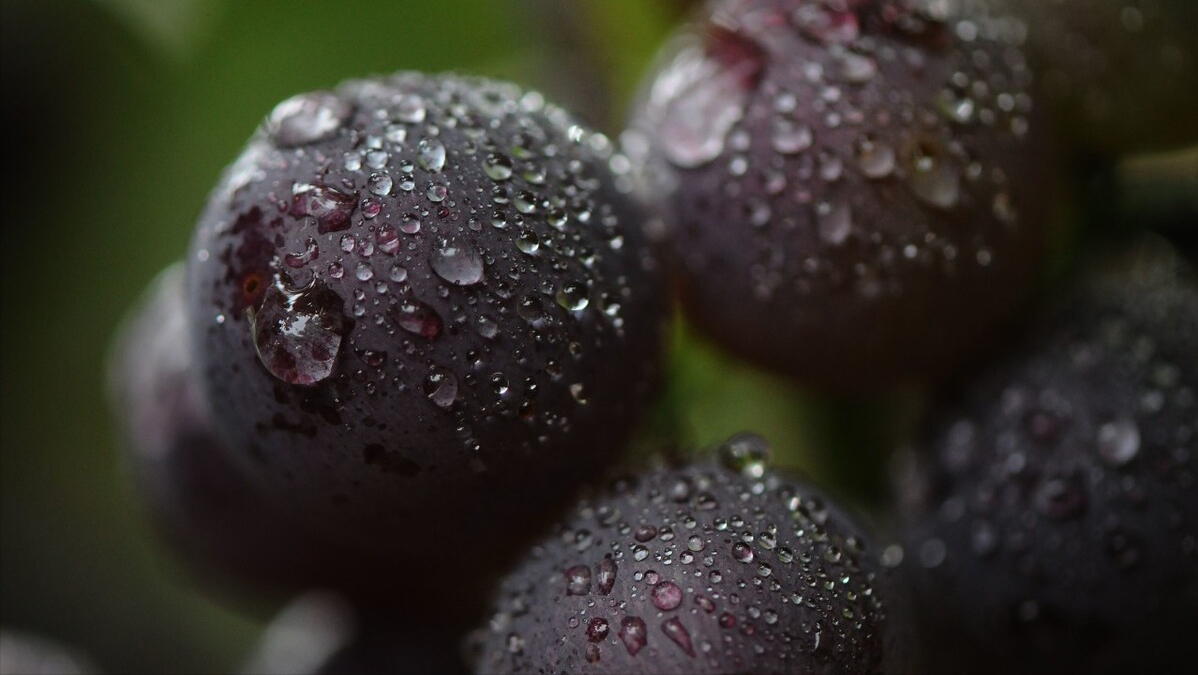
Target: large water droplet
{"points": [[790, 137], [330, 207], [707, 96], [441, 387], [307, 118], [459, 263], [298, 333]]}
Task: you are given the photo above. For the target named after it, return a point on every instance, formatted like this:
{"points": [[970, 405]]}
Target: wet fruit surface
{"points": [[722, 566], [1052, 525], [854, 191], [417, 296]]}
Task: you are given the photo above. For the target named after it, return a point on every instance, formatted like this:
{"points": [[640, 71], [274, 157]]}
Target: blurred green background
{"points": [[118, 117]]}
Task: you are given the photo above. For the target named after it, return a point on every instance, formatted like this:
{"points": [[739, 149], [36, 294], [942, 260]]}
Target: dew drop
{"points": [[790, 137], [430, 153], [458, 263], [834, 221], [573, 296], [606, 576], [441, 387], [708, 96], [307, 118], [1119, 441], [633, 634], [498, 167], [745, 453], [298, 333], [666, 596], [417, 318], [678, 634], [578, 580]]}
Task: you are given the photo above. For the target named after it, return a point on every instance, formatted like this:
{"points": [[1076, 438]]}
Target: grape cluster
{"points": [[422, 314]]}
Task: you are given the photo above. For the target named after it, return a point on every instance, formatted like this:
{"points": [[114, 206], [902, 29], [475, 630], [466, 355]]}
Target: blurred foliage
{"points": [[119, 116]]}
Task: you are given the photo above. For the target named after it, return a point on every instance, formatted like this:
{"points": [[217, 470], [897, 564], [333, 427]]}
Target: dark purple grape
{"points": [[855, 191], [1052, 523], [423, 311], [1120, 73], [712, 568]]}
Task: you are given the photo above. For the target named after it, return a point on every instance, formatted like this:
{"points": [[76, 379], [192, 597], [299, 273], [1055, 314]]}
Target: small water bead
{"points": [[606, 575], [707, 99], [934, 181], [644, 533], [695, 543], [790, 137], [436, 192], [499, 383], [525, 201], [1119, 441], [834, 221], [430, 154], [458, 263], [573, 296], [578, 580], [409, 224], [639, 552], [578, 393], [297, 333], [875, 159], [745, 453], [666, 596], [418, 318], [597, 629], [441, 387], [307, 118], [379, 184], [528, 242], [410, 109], [486, 327], [364, 272], [498, 167], [742, 552]]}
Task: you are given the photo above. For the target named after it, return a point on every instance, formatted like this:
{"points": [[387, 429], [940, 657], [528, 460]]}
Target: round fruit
{"points": [[1052, 526], [712, 568], [424, 310], [855, 190], [1121, 73]]}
